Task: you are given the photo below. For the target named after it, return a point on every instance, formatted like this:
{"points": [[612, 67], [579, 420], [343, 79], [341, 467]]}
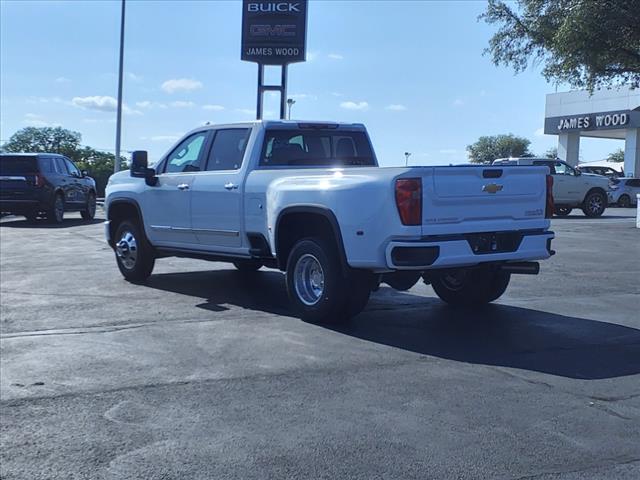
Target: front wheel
{"points": [[594, 204], [90, 210], [470, 286], [562, 211], [134, 254]]}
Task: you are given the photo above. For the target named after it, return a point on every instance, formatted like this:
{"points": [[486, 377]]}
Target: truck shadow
{"points": [[497, 335], [41, 223]]}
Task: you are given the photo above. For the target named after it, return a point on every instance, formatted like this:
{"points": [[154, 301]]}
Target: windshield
{"points": [[17, 165], [317, 148]]}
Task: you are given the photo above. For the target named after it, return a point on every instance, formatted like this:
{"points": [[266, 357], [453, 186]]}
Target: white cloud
{"points": [[181, 85], [311, 56], [102, 104], [396, 107], [182, 104], [62, 80], [215, 108], [150, 104], [354, 105], [458, 102], [35, 120], [539, 132], [335, 56], [448, 151], [247, 111], [133, 77], [337, 94]]}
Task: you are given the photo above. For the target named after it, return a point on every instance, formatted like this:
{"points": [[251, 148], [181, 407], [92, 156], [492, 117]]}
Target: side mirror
{"points": [[578, 172], [84, 173], [140, 168]]}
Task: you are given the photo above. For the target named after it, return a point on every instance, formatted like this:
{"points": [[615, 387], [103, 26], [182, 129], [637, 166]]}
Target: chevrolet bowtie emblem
{"points": [[492, 188]]}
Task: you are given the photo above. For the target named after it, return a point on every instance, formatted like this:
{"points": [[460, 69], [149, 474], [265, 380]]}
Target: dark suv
{"points": [[35, 184]]}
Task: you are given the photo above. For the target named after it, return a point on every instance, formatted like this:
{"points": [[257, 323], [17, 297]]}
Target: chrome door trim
{"points": [[224, 233], [12, 177]]}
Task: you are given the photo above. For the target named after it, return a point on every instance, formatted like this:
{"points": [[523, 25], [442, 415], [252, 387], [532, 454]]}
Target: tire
{"points": [[470, 286], [316, 286], [90, 211], [55, 214], [248, 265], [134, 254], [594, 204], [562, 211], [361, 284], [624, 201]]}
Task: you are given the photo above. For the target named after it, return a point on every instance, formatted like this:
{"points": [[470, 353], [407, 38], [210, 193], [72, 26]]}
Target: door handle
{"points": [[230, 186], [183, 186]]}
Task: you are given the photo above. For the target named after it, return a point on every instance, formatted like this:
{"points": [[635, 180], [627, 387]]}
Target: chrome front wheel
{"points": [[127, 250]]}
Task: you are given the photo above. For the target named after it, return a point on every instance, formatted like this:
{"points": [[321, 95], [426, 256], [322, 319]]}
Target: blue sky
{"points": [[412, 71]]}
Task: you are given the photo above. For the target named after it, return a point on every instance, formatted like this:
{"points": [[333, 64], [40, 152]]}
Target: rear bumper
{"points": [[21, 206], [456, 251]]}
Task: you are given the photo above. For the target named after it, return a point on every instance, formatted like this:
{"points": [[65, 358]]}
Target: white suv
{"points": [[571, 187]]}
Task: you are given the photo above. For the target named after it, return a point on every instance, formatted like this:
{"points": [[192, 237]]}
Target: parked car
{"points": [[44, 184], [571, 188], [311, 200], [625, 191], [604, 171]]}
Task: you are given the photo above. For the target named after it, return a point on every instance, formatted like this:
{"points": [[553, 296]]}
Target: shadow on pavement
{"points": [[20, 222], [497, 335]]}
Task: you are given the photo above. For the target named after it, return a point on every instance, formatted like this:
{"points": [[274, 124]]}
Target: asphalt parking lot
{"points": [[202, 373]]}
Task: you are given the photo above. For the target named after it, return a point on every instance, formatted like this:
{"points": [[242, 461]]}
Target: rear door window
{"points": [[228, 149], [47, 165], [61, 168]]}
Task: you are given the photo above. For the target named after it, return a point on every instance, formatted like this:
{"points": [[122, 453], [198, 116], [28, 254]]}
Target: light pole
{"points": [[290, 103], [116, 164], [406, 156]]}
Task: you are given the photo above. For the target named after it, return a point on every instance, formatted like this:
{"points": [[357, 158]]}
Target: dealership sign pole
{"points": [[274, 33]]}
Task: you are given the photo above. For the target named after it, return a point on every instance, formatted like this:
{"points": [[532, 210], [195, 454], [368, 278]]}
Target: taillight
{"points": [[409, 200], [38, 180], [550, 206]]}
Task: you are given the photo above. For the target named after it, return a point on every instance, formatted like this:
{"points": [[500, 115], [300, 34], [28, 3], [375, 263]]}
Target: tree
{"points": [[47, 139], [617, 156], [551, 153], [98, 165], [487, 149], [587, 44]]}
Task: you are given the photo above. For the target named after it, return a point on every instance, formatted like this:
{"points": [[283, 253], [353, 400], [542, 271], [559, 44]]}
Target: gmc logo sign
{"points": [[274, 7]]}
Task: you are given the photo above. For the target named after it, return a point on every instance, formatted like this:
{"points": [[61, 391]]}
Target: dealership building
{"points": [[611, 114]]}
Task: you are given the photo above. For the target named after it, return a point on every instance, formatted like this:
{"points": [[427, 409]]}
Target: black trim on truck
{"points": [[317, 210]]}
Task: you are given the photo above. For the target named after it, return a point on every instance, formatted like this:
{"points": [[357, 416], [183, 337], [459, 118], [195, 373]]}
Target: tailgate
{"points": [[17, 177], [484, 199]]}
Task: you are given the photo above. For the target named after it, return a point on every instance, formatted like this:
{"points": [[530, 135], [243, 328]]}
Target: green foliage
{"points": [[47, 139], [617, 156], [551, 153], [585, 43], [487, 149], [98, 164]]}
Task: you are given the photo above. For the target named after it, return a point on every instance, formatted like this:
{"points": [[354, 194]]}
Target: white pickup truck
{"points": [[310, 199]]}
